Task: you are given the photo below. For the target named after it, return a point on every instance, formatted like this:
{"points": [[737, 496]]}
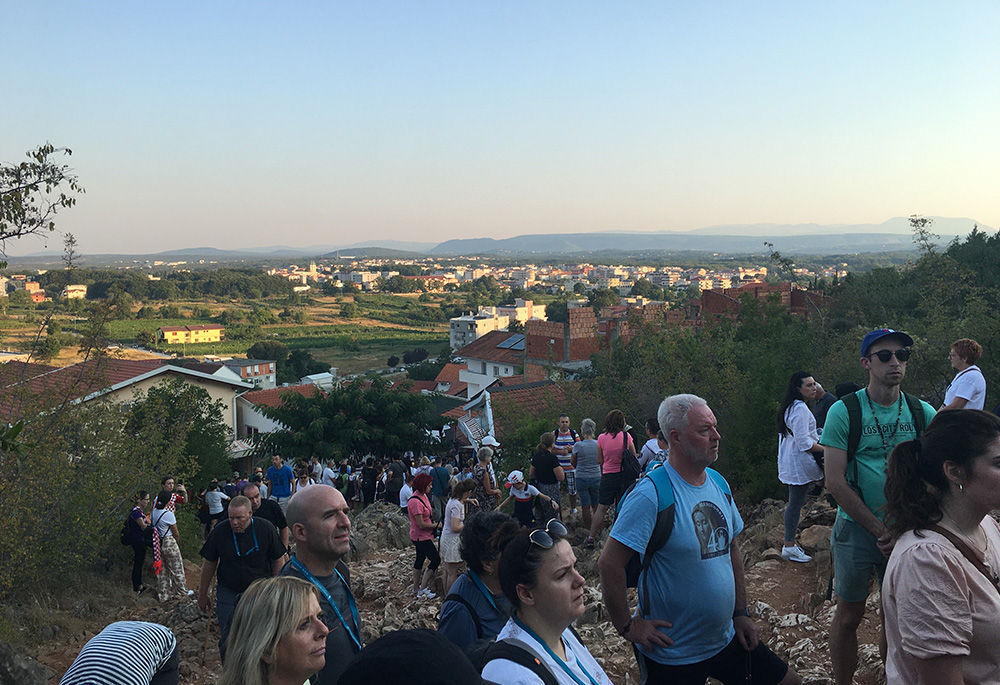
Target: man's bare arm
{"points": [[613, 586]]}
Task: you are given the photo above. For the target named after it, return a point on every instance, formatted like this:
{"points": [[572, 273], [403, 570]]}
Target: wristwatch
{"points": [[741, 612]]}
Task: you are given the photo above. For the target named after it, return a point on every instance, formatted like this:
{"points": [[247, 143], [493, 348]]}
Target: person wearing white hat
{"points": [[524, 498]]}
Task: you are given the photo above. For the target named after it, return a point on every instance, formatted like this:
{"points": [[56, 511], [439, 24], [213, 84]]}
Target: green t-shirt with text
{"points": [[872, 455]]}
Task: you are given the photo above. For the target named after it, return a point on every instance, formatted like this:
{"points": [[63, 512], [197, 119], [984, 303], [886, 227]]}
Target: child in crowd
{"points": [[406, 491], [524, 498], [454, 522]]}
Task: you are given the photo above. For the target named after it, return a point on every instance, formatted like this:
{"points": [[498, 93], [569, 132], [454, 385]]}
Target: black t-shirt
{"points": [[395, 479], [254, 561], [545, 464]]}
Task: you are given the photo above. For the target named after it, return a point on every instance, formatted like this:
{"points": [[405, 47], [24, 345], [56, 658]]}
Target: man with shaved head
{"points": [[318, 520], [242, 549]]}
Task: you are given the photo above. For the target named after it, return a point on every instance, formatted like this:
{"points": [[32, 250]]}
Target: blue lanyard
{"points": [[559, 661], [237, 544], [329, 599], [481, 586]]}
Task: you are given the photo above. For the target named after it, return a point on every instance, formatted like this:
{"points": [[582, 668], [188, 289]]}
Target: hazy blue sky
{"points": [[238, 124]]}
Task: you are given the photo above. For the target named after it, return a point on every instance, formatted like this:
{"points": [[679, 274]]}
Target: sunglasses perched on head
{"points": [[543, 537], [885, 355]]}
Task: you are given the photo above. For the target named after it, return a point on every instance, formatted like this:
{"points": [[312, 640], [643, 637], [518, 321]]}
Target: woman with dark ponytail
{"points": [[538, 575], [941, 595], [798, 455]]}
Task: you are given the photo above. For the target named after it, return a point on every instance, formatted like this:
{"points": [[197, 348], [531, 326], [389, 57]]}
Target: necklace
{"points": [[878, 425], [980, 548]]}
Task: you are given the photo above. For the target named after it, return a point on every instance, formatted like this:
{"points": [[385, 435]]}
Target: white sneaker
{"points": [[575, 511], [795, 553], [427, 593]]}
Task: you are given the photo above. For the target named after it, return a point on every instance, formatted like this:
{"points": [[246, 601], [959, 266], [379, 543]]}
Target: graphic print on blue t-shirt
{"points": [[711, 528]]}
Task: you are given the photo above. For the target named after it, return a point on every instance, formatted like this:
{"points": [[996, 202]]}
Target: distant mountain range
{"points": [[733, 239]]}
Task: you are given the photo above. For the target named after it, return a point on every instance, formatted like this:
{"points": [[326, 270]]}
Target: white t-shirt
{"points": [[163, 519], [578, 660], [651, 452], [970, 385], [214, 500], [405, 493], [455, 509], [525, 494], [329, 477]]}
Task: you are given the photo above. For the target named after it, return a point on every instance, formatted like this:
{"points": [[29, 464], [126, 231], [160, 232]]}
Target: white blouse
{"points": [[796, 465]]}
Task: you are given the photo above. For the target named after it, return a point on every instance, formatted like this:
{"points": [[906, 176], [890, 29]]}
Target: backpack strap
{"points": [[853, 405], [453, 597], [916, 413], [722, 483], [664, 526], [522, 657]]}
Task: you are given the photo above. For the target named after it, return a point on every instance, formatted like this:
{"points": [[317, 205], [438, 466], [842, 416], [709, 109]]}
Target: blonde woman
{"points": [[278, 635]]}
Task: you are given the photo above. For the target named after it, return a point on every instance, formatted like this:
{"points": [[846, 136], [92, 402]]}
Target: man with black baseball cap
{"points": [[860, 432]]}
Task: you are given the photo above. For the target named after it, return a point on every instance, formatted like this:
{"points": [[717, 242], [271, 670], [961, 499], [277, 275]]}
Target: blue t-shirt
{"points": [[440, 476], [281, 481], [456, 622], [691, 582]]}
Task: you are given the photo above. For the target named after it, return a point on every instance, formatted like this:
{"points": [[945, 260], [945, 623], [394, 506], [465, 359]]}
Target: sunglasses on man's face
{"points": [[885, 355], [542, 537]]}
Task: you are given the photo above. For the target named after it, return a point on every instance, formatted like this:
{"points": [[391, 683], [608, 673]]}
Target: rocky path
{"points": [[787, 600]]}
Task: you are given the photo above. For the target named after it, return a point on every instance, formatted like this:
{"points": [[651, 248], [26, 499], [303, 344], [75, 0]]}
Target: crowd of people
{"points": [[914, 490]]}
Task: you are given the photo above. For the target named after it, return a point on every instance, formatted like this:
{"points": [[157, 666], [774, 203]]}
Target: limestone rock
{"points": [[816, 537], [21, 669]]}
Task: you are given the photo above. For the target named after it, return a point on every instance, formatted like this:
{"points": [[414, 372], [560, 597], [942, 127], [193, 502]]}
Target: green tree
{"points": [[557, 311], [603, 298], [392, 361], [33, 192], [185, 414], [349, 310], [268, 349], [48, 347], [145, 338], [359, 419]]}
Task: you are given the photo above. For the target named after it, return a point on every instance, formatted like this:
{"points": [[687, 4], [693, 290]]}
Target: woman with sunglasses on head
{"points": [[941, 595], [538, 575], [798, 447], [278, 635], [422, 528]]}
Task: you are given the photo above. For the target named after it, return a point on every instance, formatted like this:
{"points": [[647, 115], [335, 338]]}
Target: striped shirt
{"points": [[124, 653]]}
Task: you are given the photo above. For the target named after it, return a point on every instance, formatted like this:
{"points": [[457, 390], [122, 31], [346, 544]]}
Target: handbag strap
{"points": [[967, 552]]}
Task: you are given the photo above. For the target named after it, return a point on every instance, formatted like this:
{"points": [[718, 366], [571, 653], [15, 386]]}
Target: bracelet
{"points": [[741, 612], [623, 631]]}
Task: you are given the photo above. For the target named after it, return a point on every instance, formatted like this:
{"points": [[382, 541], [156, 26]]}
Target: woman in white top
{"points": [[798, 442], [538, 575], [968, 388], [302, 479], [454, 522], [167, 561], [941, 594], [214, 497]]}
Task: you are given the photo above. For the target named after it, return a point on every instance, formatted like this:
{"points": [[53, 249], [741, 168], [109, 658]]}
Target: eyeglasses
{"points": [[543, 538], [885, 355]]}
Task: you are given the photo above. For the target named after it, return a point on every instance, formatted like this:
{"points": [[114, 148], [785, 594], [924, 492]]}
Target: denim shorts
{"points": [[855, 556], [589, 491]]}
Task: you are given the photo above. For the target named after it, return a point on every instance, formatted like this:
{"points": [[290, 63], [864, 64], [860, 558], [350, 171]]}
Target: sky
{"points": [[246, 124]]}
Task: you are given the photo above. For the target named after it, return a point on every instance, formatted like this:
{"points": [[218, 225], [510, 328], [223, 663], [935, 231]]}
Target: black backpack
{"points": [[853, 404]]}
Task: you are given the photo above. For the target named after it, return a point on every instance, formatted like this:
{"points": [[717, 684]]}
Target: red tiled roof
{"points": [[485, 348], [55, 386], [449, 374], [272, 397], [454, 413], [531, 399], [511, 380]]}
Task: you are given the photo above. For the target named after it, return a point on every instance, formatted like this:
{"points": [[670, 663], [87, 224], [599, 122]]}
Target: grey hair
{"points": [[588, 427], [484, 453], [673, 412]]}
